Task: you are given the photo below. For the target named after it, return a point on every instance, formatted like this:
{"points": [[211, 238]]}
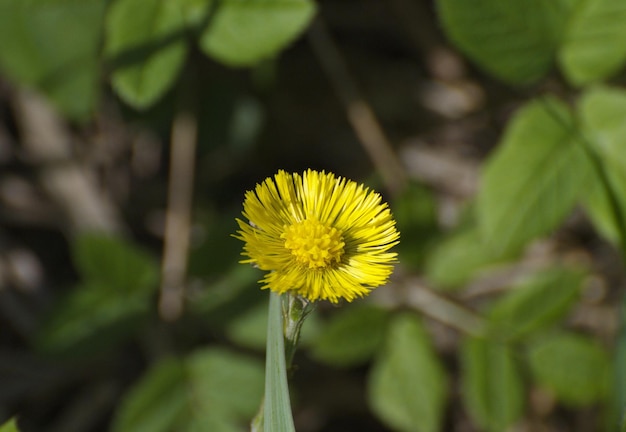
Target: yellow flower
{"points": [[318, 236]]}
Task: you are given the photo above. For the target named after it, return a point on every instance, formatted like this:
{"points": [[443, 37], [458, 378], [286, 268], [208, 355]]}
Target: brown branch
{"points": [[178, 215], [360, 115]]}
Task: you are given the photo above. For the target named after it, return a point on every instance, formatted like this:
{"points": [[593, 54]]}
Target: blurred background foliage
{"points": [[496, 130]]}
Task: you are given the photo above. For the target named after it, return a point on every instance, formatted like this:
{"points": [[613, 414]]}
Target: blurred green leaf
{"points": [[594, 45], [212, 388], [231, 289], [53, 45], [460, 257], [250, 328], [513, 40], [89, 319], [597, 204], [118, 282], [576, 368], [226, 382], [493, 389], [196, 12], [415, 211], [145, 42], [211, 423], [156, 402], [246, 124], [242, 33], [114, 264], [536, 303], [603, 113], [10, 426], [534, 178], [221, 302], [352, 336], [407, 385]]}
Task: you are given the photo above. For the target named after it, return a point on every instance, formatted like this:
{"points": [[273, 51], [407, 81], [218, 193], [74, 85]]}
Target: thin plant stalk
{"points": [[286, 316]]}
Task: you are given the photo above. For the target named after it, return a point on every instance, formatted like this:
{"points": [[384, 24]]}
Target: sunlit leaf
{"points": [[408, 386], [10, 426], [146, 45], [493, 389], [352, 336], [576, 368], [534, 178], [536, 303], [53, 46], [241, 33], [513, 40], [593, 47]]}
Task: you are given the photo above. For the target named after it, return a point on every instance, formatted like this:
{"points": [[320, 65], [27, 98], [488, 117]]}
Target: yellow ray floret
{"points": [[318, 236]]}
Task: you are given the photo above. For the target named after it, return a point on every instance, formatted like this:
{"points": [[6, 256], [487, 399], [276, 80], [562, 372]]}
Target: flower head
{"points": [[318, 235]]}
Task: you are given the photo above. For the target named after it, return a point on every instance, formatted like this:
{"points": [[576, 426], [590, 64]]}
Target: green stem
{"points": [[295, 310], [285, 319]]}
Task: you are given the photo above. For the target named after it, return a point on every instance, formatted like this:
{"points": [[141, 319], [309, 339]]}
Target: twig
{"points": [[444, 310], [178, 216], [415, 293], [360, 114]]}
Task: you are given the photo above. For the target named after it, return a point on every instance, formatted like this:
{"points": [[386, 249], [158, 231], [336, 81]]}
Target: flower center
{"points": [[314, 244]]}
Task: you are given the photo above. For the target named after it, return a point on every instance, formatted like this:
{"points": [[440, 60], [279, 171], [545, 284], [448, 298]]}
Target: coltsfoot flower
{"points": [[318, 236]]}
